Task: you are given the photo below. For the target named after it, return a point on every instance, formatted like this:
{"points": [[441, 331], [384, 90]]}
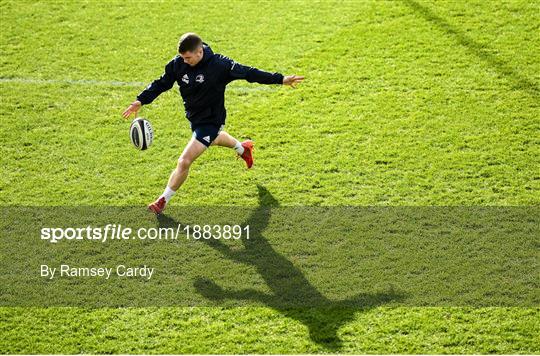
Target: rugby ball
{"points": [[141, 133]]}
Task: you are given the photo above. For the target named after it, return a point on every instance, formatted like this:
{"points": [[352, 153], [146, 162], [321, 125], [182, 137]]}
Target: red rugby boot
{"points": [[158, 206], [248, 153]]}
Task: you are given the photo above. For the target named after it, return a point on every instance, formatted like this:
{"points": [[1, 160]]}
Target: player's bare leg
{"points": [[244, 149], [225, 140], [191, 152]]}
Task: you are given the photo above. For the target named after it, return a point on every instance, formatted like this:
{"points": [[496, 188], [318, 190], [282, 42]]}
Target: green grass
{"points": [[405, 103], [263, 330]]}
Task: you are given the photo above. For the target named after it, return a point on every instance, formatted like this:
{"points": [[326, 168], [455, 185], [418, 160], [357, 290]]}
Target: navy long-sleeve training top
{"points": [[203, 86]]}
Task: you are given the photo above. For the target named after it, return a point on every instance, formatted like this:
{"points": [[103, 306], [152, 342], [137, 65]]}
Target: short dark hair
{"points": [[189, 42]]}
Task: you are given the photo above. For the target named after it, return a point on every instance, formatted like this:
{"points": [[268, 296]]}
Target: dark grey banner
{"points": [[332, 257]]}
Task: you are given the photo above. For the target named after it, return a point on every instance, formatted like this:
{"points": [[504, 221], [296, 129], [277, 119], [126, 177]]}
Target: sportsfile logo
{"points": [[118, 232], [108, 232]]}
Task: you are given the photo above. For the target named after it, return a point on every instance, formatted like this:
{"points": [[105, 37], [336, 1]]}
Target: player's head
{"points": [[190, 48]]}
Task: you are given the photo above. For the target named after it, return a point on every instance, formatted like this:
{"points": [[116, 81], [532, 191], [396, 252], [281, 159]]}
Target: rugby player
{"points": [[202, 77]]}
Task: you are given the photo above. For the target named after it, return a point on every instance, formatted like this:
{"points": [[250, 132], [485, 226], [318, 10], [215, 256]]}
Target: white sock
{"points": [[168, 193], [238, 147]]}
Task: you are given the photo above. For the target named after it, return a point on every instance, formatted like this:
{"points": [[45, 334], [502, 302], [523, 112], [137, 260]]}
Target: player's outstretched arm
{"points": [[132, 109], [152, 91], [237, 71], [292, 80]]}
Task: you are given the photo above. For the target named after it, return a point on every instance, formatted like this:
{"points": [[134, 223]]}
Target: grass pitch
{"points": [[404, 103]]}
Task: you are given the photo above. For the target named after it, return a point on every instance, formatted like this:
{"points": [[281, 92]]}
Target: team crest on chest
{"points": [[185, 79], [200, 78]]}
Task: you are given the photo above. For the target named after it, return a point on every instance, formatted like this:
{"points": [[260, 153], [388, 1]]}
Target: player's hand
{"points": [[132, 109], [292, 80]]}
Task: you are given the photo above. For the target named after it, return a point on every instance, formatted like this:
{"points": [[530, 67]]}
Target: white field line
{"points": [[89, 82], [110, 83]]}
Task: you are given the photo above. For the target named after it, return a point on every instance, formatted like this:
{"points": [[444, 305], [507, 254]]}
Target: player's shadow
{"points": [[483, 52], [291, 293]]}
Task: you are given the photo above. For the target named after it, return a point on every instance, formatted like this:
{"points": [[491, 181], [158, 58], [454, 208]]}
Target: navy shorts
{"points": [[206, 133]]}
